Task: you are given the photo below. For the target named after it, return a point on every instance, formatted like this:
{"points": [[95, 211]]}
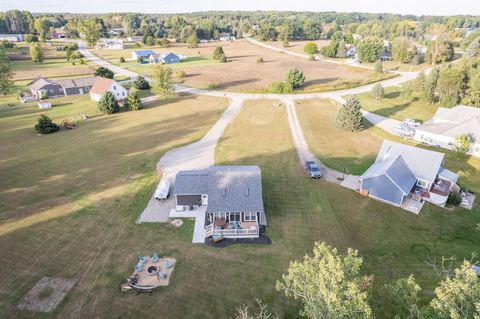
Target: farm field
{"points": [[357, 151], [237, 75], [297, 45], [394, 106]]}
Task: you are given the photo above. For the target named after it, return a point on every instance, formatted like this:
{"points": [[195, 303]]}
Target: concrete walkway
{"points": [[199, 228]]}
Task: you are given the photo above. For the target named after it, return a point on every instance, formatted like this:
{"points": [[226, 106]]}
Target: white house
{"points": [[225, 36], [447, 124], [103, 85], [11, 37], [111, 44]]}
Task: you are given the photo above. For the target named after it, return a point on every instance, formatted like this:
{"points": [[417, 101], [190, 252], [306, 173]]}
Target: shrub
{"points": [[138, 45], [122, 59], [213, 86], [30, 38], [454, 199], [379, 67], [82, 62], [45, 125], [378, 92], [260, 60], [104, 72], [108, 104], [180, 74], [311, 57], [296, 78], [280, 87], [218, 52], [141, 84], [223, 59]]}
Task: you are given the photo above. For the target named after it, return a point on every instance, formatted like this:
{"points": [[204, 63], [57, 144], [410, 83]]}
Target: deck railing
{"points": [[231, 233]]}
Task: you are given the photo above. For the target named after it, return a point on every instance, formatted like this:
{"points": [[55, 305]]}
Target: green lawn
{"points": [[357, 151], [394, 106], [69, 201]]}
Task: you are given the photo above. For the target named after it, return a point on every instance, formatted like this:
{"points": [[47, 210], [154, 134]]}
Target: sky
{"points": [[417, 7]]}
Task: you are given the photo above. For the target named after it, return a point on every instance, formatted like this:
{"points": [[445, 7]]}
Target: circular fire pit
{"points": [[152, 270]]}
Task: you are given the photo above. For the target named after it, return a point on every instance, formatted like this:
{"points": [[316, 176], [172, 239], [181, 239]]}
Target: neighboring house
{"points": [[166, 58], [447, 124], [103, 85], [405, 173], [232, 196], [135, 38], [142, 54], [111, 44], [115, 32], [11, 37], [56, 88], [225, 36], [58, 33]]}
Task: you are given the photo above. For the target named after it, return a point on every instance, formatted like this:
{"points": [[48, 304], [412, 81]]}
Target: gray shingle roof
{"points": [[39, 83], [229, 188], [80, 82], [191, 182], [423, 163]]}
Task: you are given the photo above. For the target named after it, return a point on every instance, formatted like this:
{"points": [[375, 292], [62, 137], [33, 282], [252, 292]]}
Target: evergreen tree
{"points": [[192, 40], [474, 48], [36, 53], [430, 86], [296, 78], [133, 102], [349, 117], [108, 104], [379, 66], [378, 92], [163, 83], [449, 86], [45, 125], [218, 52], [104, 73], [420, 82], [141, 84], [341, 50], [223, 59], [6, 74]]}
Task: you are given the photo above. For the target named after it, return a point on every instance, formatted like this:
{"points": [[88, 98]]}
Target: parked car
{"points": [[404, 130], [313, 169], [411, 122]]}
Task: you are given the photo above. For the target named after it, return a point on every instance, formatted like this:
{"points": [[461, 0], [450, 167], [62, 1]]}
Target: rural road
{"points": [[201, 154]]}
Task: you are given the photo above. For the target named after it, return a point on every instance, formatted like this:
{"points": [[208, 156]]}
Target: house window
{"points": [[114, 87], [250, 216], [51, 90], [422, 183], [235, 217]]}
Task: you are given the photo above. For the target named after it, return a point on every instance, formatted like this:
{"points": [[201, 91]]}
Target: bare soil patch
{"points": [[47, 294], [297, 46]]}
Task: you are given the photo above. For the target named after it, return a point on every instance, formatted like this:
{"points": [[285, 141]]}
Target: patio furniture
{"points": [[168, 264], [155, 258], [162, 275], [220, 222]]}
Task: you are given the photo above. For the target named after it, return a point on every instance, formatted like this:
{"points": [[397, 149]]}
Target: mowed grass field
{"points": [[71, 200], [394, 106], [244, 74], [357, 151]]}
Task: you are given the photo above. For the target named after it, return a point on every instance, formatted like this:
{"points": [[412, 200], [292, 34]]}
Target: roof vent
{"points": [[246, 192], [223, 192]]}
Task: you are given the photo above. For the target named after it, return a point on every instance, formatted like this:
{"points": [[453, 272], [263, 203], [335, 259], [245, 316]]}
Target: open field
{"points": [[394, 106], [297, 46], [237, 75], [71, 199], [357, 151]]}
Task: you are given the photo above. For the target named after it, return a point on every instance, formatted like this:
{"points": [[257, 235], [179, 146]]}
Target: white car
{"points": [[411, 122]]}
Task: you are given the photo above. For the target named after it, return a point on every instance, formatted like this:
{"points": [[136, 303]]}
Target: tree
{"points": [[430, 86], [29, 38], [439, 51], [420, 82], [328, 284], [310, 48], [91, 29], [45, 125], [296, 78], [407, 91], [378, 91], [192, 40], [454, 198], [244, 313], [474, 48], [133, 102], [108, 104], [104, 72], [341, 50], [404, 50], [141, 84], [369, 49], [163, 83], [349, 117], [458, 296], [378, 66], [122, 59], [6, 74], [462, 144], [473, 90], [42, 26], [218, 52], [449, 86], [403, 298], [36, 53]]}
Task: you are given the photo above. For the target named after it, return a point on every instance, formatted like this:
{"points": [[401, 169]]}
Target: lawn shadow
{"points": [[320, 81]]}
